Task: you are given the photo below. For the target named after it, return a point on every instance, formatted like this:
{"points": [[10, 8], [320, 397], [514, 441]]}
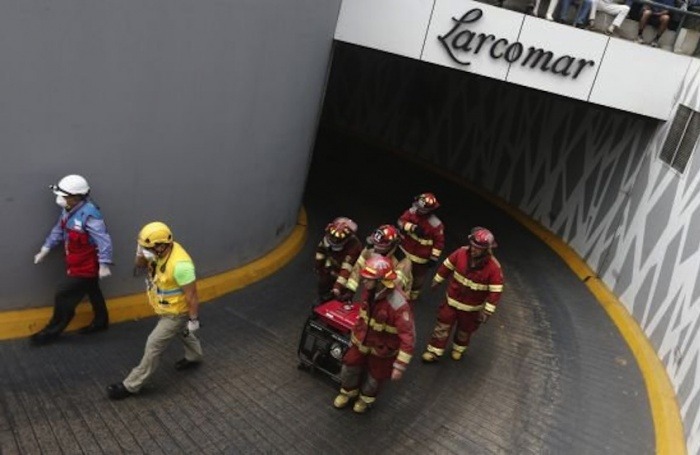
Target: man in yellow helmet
{"points": [[172, 292]]}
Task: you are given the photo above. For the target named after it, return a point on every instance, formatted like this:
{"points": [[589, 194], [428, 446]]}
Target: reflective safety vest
{"points": [[164, 294]]}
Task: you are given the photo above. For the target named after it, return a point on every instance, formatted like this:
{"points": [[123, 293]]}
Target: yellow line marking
{"points": [[22, 323], [665, 412]]}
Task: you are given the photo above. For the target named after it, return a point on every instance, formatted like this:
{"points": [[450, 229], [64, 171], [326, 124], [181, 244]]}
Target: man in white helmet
{"points": [[82, 231]]}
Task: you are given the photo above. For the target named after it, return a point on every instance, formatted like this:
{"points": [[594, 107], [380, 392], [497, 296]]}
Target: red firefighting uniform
{"points": [[382, 339], [421, 249], [470, 290], [333, 267], [403, 270]]}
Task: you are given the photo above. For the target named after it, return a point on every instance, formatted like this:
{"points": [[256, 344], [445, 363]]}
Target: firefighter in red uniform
{"points": [[473, 291], [336, 254], [424, 238], [384, 241], [382, 338]]}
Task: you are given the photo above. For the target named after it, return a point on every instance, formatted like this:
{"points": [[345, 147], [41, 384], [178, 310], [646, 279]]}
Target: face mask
{"points": [[149, 255], [61, 201]]}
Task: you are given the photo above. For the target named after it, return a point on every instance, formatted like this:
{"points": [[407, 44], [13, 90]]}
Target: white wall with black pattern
{"points": [[590, 174]]}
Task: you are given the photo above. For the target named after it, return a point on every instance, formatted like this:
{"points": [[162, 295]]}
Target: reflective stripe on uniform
{"points": [[413, 257], [437, 351], [489, 307], [404, 357], [463, 306], [378, 326], [367, 350], [466, 282], [424, 242], [458, 348]]}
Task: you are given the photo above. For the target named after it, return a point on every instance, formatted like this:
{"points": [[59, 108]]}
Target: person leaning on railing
{"points": [[589, 8]]}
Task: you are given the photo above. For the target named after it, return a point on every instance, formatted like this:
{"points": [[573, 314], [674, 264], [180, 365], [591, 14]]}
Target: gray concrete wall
{"points": [[200, 113]]}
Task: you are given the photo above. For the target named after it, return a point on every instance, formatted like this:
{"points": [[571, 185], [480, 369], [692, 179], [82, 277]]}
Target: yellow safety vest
{"points": [[164, 294]]}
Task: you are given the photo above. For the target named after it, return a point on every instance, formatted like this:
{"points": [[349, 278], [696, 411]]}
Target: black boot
{"points": [[93, 328], [184, 364], [118, 391], [43, 337]]}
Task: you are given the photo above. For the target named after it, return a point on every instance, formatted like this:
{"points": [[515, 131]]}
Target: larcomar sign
{"points": [[460, 42]]}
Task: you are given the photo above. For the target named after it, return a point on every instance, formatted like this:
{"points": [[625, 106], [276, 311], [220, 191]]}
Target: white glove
{"points": [[192, 325], [104, 271], [41, 254]]}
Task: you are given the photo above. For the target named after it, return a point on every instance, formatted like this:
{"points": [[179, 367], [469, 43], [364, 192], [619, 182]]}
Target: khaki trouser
{"points": [[168, 327]]}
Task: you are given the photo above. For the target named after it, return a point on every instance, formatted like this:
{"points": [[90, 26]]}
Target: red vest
{"points": [[81, 253]]}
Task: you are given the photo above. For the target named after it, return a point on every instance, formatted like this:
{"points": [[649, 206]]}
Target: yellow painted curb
{"points": [[22, 323], [665, 412]]}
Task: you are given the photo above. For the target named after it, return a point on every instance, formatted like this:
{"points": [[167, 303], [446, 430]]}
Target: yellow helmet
{"points": [[154, 233]]}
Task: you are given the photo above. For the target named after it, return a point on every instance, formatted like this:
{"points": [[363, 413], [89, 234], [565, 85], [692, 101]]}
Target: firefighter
{"points": [[384, 241], [382, 338], [171, 289], [336, 254], [474, 289], [423, 240], [82, 231]]}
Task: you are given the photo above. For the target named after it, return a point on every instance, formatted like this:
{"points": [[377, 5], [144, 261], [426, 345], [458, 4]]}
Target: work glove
{"points": [[192, 326], [484, 316], [396, 374], [343, 296], [104, 271], [41, 254]]}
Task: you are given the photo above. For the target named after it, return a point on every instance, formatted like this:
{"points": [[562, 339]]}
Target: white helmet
{"points": [[71, 185]]}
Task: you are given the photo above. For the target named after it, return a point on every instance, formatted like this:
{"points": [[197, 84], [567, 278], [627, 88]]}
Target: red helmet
{"points": [[482, 238], [384, 237], [340, 230], [378, 267], [426, 203]]}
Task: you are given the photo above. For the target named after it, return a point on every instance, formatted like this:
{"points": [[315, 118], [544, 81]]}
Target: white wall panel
{"points": [[639, 79], [499, 22], [396, 26], [624, 76], [559, 39]]}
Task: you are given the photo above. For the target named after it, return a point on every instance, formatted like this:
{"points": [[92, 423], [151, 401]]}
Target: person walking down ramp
{"points": [[82, 231], [382, 338], [474, 289], [423, 239], [172, 292]]}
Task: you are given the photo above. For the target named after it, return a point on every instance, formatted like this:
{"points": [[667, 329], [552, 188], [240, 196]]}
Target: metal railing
{"points": [[683, 11]]}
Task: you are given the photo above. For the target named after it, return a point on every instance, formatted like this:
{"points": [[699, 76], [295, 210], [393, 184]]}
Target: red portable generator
{"points": [[326, 337]]}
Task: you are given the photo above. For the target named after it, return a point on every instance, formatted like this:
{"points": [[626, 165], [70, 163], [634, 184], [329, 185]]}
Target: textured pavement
{"points": [[549, 373]]}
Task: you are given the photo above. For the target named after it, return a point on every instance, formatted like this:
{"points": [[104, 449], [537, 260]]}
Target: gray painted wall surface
{"points": [[200, 113], [587, 173]]}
